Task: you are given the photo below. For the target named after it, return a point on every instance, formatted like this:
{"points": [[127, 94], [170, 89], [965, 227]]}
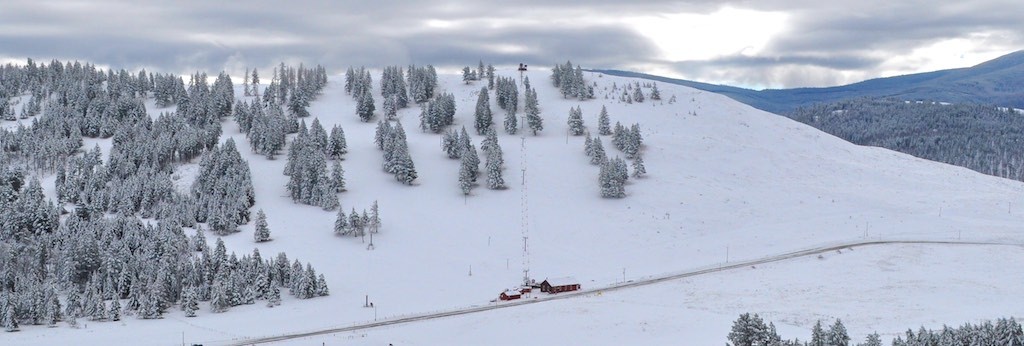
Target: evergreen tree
{"points": [[533, 118], [490, 76], [341, 226], [837, 335], [483, 112], [638, 167], [603, 123], [611, 180], [115, 310], [655, 94], [274, 299], [337, 177], [10, 319], [466, 175], [872, 340], [255, 83], [511, 123], [337, 147], [365, 107], [374, 222], [748, 331], [576, 121], [597, 153], [818, 336], [262, 232]]}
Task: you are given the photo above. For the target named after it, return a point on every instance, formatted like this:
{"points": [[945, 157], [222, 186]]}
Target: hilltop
{"points": [[997, 82]]}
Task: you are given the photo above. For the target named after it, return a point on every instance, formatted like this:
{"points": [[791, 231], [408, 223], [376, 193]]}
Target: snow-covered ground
{"points": [[724, 180]]}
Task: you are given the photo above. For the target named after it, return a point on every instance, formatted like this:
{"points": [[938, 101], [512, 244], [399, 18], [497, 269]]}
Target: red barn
{"points": [[558, 285], [510, 295]]}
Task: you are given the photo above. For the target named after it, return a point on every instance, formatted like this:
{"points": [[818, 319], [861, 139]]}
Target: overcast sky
{"points": [[762, 43]]}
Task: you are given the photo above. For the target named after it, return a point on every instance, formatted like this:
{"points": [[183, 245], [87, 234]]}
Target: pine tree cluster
{"points": [[391, 140], [629, 141], [570, 82], [438, 114], [506, 94], [223, 190], [357, 225], [422, 82], [750, 330], [612, 178], [309, 181]]}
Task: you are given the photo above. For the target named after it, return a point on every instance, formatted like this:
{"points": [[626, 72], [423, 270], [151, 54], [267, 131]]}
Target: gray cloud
{"points": [[824, 43]]}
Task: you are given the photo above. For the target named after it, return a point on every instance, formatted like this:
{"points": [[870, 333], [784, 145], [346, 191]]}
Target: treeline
{"points": [[982, 138], [751, 330]]}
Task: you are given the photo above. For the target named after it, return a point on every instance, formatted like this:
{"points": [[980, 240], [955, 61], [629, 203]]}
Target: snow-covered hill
{"points": [[725, 181]]}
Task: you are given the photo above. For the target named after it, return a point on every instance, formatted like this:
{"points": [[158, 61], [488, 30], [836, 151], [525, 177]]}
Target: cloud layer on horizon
{"points": [[820, 43]]}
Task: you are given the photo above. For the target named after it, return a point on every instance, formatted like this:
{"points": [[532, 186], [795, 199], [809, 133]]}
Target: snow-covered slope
{"points": [[723, 180]]}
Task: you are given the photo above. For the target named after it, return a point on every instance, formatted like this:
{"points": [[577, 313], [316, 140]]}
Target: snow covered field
{"points": [[723, 180]]}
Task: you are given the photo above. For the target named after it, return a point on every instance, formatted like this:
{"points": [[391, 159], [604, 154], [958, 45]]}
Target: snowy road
{"points": [[614, 287]]}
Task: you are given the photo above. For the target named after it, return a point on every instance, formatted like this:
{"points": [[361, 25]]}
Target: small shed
{"points": [[510, 295], [558, 285]]}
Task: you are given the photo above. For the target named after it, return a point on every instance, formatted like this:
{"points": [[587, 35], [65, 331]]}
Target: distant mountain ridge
{"points": [[998, 82]]}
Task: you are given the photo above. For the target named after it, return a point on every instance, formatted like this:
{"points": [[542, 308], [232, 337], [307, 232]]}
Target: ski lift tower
{"points": [[524, 209]]}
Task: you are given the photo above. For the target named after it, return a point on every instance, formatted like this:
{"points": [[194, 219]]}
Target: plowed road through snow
{"points": [[614, 287]]}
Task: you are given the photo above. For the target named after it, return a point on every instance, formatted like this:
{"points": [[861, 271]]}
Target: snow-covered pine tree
{"points": [[450, 144], [341, 226], [10, 320], [490, 76], [655, 93], [483, 116], [466, 175], [638, 167], [872, 339], [365, 107], [374, 223], [610, 179], [493, 154], [262, 231], [533, 119], [638, 94], [190, 302], [337, 147], [274, 298], [390, 108], [511, 123], [114, 314], [597, 155], [467, 75], [337, 177], [575, 121], [818, 336], [255, 83], [837, 335], [603, 123]]}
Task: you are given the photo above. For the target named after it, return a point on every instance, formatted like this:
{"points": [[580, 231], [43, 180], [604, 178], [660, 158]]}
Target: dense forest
{"points": [[986, 139], [115, 241]]}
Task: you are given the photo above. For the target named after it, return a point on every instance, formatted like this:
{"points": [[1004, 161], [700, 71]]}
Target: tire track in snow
{"points": [[614, 287]]}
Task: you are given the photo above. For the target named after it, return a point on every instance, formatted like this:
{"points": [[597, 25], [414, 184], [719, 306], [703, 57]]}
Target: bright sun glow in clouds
{"points": [[688, 36]]}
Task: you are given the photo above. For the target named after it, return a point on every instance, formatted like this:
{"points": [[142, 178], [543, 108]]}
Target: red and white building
{"points": [[558, 285]]}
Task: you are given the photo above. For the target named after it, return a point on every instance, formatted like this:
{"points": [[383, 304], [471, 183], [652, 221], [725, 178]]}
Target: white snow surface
{"points": [[725, 181]]}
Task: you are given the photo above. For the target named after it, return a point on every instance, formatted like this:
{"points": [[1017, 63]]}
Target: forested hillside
{"points": [[983, 138]]}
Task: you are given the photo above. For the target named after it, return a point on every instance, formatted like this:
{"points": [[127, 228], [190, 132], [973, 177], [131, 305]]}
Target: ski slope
{"points": [[725, 182]]}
